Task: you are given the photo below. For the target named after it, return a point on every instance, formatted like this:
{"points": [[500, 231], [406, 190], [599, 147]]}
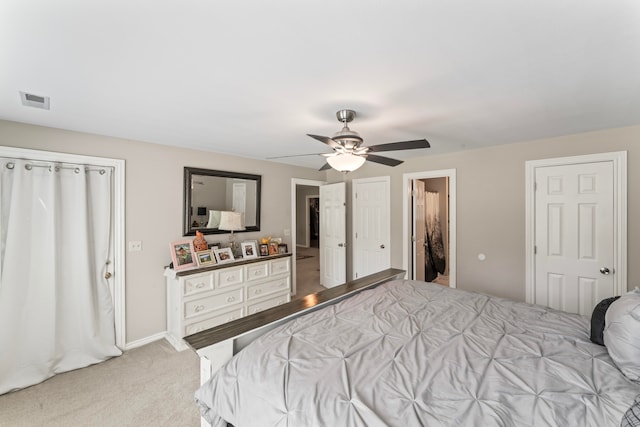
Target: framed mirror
{"points": [[208, 192]]}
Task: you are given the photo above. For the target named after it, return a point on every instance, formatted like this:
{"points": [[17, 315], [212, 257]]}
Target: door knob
{"points": [[107, 275], [605, 270], [381, 246]]}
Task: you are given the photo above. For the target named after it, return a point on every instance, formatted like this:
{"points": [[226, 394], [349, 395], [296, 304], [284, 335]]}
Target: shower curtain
{"points": [[56, 311], [435, 261]]}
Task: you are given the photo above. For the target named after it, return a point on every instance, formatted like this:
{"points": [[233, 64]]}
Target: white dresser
{"points": [[205, 297]]}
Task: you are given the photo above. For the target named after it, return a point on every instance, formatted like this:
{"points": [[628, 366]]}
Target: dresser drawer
{"points": [[213, 321], [268, 303], [230, 276], [266, 288], [198, 283], [279, 266], [257, 271], [213, 302], [206, 298]]}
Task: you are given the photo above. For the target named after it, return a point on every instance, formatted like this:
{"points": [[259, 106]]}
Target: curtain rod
{"points": [[57, 168]]}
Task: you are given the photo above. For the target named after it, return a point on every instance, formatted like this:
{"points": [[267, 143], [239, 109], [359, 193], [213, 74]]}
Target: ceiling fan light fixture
{"points": [[345, 162]]}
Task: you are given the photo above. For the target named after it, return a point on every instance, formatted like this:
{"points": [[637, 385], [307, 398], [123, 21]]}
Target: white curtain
{"points": [[56, 310], [435, 261]]}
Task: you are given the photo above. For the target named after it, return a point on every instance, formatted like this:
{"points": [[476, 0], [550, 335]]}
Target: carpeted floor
{"points": [[151, 385]]}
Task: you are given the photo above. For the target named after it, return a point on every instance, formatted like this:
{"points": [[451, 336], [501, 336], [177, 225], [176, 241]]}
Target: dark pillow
{"points": [[631, 418], [597, 319]]}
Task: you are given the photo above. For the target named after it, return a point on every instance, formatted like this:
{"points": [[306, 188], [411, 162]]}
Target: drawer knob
{"points": [[258, 291], [230, 278], [200, 285], [231, 299], [199, 307]]}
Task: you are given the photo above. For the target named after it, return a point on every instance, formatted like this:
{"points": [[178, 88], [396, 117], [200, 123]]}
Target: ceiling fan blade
{"points": [[383, 160], [294, 155], [404, 145], [325, 167], [330, 142]]}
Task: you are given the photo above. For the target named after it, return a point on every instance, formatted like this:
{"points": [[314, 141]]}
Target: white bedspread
{"points": [[416, 354]]}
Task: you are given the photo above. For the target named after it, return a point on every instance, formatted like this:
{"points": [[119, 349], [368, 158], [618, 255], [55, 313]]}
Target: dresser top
{"points": [[234, 263]]}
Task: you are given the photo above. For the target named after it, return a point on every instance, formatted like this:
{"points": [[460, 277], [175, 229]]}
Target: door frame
{"points": [[354, 203], [118, 166], [294, 183], [619, 160], [406, 217]]}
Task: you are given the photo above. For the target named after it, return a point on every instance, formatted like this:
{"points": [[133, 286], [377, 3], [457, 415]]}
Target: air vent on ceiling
{"points": [[37, 101]]}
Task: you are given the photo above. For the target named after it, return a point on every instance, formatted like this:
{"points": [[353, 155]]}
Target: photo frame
{"points": [[249, 249], [182, 254], [276, 239], [273, 248], [223, 255], [264, 250], [204, 258], [282, 248]]}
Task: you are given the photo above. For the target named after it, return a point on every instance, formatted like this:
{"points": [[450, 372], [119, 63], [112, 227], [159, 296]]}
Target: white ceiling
{"points": [[251, 77]]}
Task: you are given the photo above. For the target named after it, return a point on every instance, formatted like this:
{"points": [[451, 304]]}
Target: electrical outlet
{"points": [[287, 232], [135, 246]]}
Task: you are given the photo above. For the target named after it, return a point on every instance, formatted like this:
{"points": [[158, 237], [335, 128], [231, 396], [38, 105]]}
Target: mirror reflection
{"points": [[208, 193]]}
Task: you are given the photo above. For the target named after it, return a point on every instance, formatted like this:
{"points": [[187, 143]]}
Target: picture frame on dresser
{"points": [[249, 249], [223, 255], [273, 248], [283, 248], [182, 254], [205, 258], [264, 249]]}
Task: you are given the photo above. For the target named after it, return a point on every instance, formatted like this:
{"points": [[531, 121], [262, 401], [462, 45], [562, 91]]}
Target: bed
{"points": [[410, 353]]}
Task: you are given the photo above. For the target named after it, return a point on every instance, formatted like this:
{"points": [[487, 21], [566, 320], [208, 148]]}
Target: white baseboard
{"points": [[178, 344], [145, 341]]}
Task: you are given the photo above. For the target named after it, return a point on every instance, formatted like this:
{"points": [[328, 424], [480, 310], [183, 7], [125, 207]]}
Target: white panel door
{"points": [[239, 203], [574, 236], [371, 226], [333, 253], [419, 229]]}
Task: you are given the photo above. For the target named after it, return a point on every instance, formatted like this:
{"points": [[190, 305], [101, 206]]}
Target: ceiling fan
{"points": [[349, 153]]}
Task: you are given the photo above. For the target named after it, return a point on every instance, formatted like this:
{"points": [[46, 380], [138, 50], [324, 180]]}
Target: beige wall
{"points": [[154, 176], [491, 204]]}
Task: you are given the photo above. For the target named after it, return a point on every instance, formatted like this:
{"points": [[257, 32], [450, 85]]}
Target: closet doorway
{"points": [[62, 263], [429, 226], [305, 236], [312, 239]]}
